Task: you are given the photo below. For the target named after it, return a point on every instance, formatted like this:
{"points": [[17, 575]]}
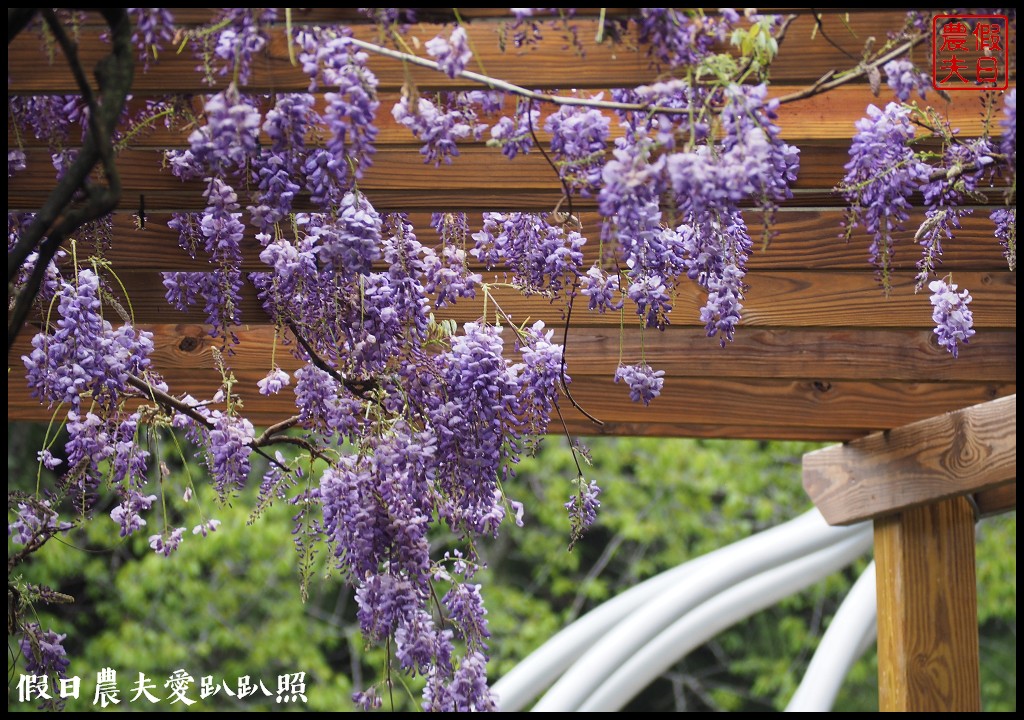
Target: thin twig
{"points": [[821, 28], [561, 370], [544, 154], [54, 221], [860, 71], [357, 388]]}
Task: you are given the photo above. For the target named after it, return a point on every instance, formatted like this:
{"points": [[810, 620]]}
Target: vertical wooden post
{"points": [[927, 609]]}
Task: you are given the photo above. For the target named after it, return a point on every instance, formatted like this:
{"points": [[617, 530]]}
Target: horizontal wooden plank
{"points": [[805, 55], [790, 406], [803, 240], [996, 501], [821, 356], [479, 179], [829, 116], [937, 458], [398, 168], [774, 299]]}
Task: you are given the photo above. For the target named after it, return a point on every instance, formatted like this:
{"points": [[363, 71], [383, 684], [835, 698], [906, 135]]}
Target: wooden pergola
{"points": [[821, 353]]}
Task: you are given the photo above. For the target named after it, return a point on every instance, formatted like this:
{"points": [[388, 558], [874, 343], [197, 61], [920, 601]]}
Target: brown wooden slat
{"points": [[996, 501], [480, 179], [820, 356], [804, 56], [823, 117], [775, 299], [804, 239], [967, 451], [685, 401]]}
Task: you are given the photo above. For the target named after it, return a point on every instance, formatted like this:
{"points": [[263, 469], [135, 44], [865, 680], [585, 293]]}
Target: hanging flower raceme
{"points": [[954, 321], [882, 174], [85, 354]]}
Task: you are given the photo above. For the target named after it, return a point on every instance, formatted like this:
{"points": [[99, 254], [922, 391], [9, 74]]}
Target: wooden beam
{"points": [[957, 453], [927, 609], [996, 500]]}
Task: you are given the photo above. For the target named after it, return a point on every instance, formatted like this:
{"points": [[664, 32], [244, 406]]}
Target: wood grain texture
{"points": [[927, 609], [802, 240], [823, 356], [804, 57], [791, 406], [774, 299], [830, 116], [961, 452], [996, 501]]}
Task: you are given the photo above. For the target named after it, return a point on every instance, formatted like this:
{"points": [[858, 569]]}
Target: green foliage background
{"points": [[229, 605]]}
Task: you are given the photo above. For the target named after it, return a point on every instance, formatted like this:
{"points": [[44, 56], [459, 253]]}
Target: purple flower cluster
{"points": [[644, 382], [674, 39], [239, 37], [44, 651], [601, 287], [542, 258], [15, 162], [716, 257], [273, 383], [1006, 231], [629, 202], [579, 138], [452, 54], [447, 276], [966, 164], [154, 29], [477, 417], [230, 445], [439, 128], [324, 405], [513, 134], [230, 136], [220, 291], [540, 375], [583, 505], [85, 354], [882, 174], [126, 514], [905, 79], [351, 109], [166, 543], [954, 321], [35, 519]]}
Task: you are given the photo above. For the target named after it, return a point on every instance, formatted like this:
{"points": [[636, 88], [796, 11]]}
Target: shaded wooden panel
{"points": [[395, 168], [804, 239], [791, 407], [927, 609], [996, 500], [954, 454], [775, 299], [805, 55], [822, 356], [829, 116]]}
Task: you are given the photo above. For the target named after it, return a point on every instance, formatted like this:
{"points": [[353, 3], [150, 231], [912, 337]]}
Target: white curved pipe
{"points": [[535, 673], [717, 614], [852, 631], [711, 574]]}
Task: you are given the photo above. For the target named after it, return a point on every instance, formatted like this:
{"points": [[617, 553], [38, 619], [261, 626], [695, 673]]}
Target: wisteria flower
{"points": [[165, 544], [206, 527], [273, 382], [644, 382], [954, 322], [452, 54]]}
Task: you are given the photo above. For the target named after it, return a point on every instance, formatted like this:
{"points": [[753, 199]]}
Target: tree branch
{"points": [[54, 221], [829, 81]]}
